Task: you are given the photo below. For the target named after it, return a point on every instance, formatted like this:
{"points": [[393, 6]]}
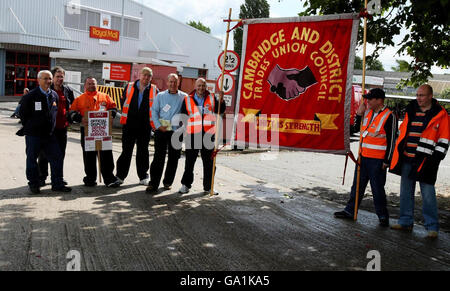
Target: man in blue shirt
{"points": [[165, 110], [38, 115]]}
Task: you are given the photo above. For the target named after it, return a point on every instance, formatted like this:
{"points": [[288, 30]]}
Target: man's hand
{"points": [[361, 108], [162, 128], [84, 121], [385, 166], [221, 93]]}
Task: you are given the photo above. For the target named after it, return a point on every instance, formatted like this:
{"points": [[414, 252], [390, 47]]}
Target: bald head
{"points": [[200, 87], [424, 97]]}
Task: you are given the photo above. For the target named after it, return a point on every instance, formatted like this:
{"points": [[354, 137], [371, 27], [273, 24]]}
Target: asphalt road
{"points": [[260, 220]]}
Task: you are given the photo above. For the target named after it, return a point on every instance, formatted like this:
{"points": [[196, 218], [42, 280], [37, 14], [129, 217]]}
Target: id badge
{"points": [[37, 106]]}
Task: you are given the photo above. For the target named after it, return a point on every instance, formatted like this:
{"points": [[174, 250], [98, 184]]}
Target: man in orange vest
{"points": [[137, 102], [92, 100], [377, 140], [422, 144], [201, 107]]}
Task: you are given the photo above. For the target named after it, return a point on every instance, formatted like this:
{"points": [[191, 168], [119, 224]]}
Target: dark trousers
{"points": [[49, 145], [90, 164], [371, 170], [191, 158], [61, 138], [130, 137], [163, 146]]}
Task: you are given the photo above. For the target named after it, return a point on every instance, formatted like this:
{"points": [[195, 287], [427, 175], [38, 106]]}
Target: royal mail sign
{"points": [[103, 33]]}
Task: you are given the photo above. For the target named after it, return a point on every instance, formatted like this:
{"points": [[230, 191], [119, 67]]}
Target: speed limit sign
{"points": [[231, 61]]}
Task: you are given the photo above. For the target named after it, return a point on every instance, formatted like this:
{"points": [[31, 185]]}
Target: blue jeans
{"points": [[36, 144], [371, 170], [407, 190]]}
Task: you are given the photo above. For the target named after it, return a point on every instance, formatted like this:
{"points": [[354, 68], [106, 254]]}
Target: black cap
{"points": [[375, 93]]}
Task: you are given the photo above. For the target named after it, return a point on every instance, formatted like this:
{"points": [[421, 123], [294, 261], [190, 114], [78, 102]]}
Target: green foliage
{"points": [[199, 26], [426, 23], [249, 10], [445, 94], [371, 64], [402, 66]]}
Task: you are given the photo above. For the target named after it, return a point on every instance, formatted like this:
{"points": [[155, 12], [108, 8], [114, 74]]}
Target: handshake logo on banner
{"points": [[289, 84]]}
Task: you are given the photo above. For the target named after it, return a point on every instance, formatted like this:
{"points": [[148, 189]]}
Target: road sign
{"points": [[228, 83], [231, 62]]}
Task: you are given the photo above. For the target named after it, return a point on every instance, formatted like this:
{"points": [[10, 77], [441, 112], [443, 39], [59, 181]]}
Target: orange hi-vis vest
{"points": [[126, 105], [196, 121], [434, 140], [373, 136]]}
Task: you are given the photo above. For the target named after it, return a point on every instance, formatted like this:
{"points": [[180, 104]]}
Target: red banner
{"points": [[293, 82], [103, 33]]}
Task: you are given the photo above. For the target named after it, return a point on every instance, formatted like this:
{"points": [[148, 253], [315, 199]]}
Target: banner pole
{"points": [[363, 85], [216, 141]]}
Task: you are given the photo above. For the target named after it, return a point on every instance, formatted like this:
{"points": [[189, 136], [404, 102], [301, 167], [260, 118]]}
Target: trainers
{"points": [[343, 215], [144, 182], [384, 222], [184, 189], [402, 227], [432, 234], [61, 189], [151, 190], [119, 180], [167, 187], [114, 184]]}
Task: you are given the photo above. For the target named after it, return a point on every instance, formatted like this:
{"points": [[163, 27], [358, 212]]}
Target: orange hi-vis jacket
{"points": [[92, 101], [432, 147], [196, 121], [129, 97], [373, 136]]}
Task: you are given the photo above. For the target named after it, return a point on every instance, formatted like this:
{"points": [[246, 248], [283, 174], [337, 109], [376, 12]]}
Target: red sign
{"points": [[120, 72], [103, 33], [294, 82]]}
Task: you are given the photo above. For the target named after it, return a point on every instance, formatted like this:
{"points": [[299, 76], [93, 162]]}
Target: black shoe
{"points": [[65, 183], [42, 183], [61, 189], [384, 222], [343, 215], [151, 190], [90, 184], [35, 189]]}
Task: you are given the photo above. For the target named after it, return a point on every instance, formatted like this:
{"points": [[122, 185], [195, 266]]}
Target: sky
{"points": [[212, 12]]}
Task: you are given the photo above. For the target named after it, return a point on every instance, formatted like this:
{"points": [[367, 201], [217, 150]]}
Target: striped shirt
{"points": [[415, 131]]}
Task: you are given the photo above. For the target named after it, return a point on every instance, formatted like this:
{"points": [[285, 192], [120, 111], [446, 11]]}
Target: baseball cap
{"points": [[375, 93]]}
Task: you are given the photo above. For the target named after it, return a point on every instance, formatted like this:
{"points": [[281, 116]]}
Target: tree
{"points": [[402, 66], [249, 10], [426, 23], [371, 64], [199, 26]]}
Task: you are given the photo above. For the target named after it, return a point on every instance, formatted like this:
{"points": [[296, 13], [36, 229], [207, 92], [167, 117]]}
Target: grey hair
{"points": [[172, 75], [44, 72]]}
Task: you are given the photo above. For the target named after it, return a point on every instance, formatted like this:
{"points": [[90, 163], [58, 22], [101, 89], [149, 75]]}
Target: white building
{"points": [[39, 34]]}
